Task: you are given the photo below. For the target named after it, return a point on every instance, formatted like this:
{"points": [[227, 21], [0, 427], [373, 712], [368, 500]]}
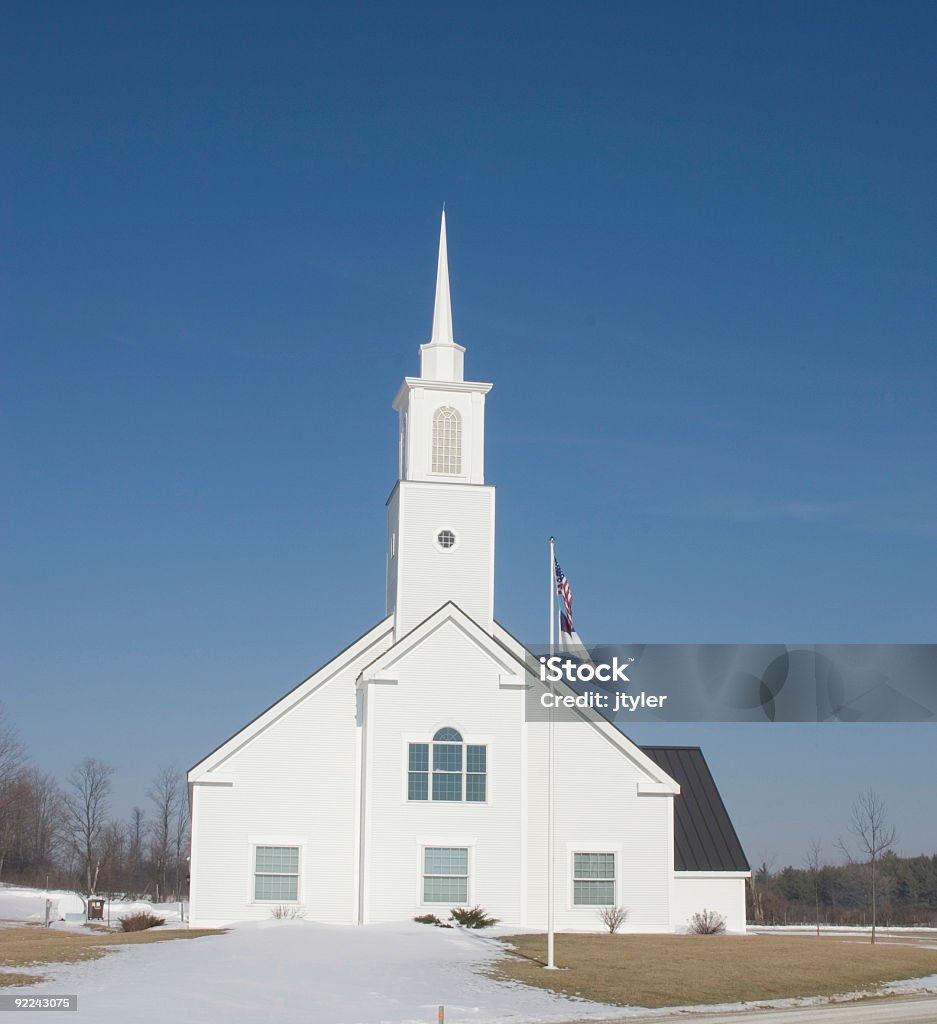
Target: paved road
{"points": [[900, 1010]]}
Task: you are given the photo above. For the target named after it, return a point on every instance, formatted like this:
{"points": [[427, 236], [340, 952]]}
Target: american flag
{"points": [[562, 588]]}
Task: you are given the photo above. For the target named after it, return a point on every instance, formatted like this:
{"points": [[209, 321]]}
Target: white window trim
{"points": [[434, 841], [590, 846], [253, 842], [468, 740]]}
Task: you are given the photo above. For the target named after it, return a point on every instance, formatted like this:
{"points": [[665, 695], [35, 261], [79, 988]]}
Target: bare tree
{"points": [[12, 766], [814, 862], [875, 835], [85, 805], [12, 755], [164, 792], [136, 836], [182, 841]]}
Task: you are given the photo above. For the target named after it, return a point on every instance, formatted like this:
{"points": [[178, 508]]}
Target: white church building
{"points": [[403, 777]]}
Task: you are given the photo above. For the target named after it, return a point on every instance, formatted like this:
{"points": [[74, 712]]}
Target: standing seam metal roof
{"points": [[704, 837]]}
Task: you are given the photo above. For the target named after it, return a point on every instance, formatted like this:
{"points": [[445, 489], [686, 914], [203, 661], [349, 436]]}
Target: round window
{"points": [[445, 539]]}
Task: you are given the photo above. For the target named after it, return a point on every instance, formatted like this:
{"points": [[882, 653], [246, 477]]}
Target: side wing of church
{"points": [[402, 777]]}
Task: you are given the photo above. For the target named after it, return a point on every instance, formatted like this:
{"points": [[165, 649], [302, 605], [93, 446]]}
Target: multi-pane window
{"points": [[447, 440], [445, 874], [276, 873], [593, 879], [447, 769]]}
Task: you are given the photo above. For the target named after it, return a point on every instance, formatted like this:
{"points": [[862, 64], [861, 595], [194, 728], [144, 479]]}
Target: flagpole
{"points": [[551, 965]]}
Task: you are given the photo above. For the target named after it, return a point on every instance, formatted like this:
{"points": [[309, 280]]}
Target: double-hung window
{"points": [[448, 769], [593, 879], [445, 874], [276, 873]]}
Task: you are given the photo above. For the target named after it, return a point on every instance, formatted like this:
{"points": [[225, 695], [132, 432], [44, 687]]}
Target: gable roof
{"points": [[704, 837], [359, 648]]}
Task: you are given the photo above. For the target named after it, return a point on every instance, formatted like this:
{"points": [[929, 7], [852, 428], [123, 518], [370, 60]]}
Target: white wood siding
{"points": [[448, 680], [598, 810], [294, 782], [428, 577], [723, 893]]}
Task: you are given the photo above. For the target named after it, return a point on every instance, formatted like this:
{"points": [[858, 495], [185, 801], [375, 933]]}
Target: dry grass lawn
{"points": [[677, 970], [32, 946]]}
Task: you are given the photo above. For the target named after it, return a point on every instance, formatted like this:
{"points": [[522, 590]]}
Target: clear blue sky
{"points": [[692, 245]]}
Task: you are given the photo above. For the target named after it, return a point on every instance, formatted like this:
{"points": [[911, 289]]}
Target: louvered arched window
{"points": [[447, 440]]}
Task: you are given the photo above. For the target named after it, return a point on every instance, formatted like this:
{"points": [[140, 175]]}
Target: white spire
{"points": [[441, 357], [442, 311]]}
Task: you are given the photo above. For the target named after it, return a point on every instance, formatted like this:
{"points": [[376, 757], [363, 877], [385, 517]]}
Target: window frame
{"points": [[593, 849], [447, 445], [445, 844], [427, 739], [276, 843]]}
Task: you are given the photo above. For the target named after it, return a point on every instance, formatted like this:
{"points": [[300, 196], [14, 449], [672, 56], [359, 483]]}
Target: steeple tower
{"points": [[440, 529], [441, 358]]}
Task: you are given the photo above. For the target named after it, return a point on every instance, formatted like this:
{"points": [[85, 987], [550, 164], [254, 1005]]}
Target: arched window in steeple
{"points": [[447, 440]]}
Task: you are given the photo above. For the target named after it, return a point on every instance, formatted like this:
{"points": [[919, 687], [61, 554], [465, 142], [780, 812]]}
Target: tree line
{"points": [[873, 887], [62, 835]]}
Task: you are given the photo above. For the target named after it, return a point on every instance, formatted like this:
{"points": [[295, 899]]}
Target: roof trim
{"points": [[378, 669], [664, 783], [279, 707]]}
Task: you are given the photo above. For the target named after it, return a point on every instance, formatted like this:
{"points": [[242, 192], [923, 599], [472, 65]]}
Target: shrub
{"points": [[281, 912], [612, 917], [472, 917], [427, 919], [707, 922], [140, 921]]}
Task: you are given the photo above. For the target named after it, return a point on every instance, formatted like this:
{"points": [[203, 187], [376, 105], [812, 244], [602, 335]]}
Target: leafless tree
{"points": [[182, 841], [86, 805], [875, 835], [136, 838], [164, 792], [814, 862], [12, 755], [12, 766]]}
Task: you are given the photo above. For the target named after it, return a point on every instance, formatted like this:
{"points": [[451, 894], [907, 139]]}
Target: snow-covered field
{"points": [[298, 971]]}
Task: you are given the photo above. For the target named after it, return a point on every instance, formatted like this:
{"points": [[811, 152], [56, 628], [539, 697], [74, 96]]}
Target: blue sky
{"points": [[692, 245]]}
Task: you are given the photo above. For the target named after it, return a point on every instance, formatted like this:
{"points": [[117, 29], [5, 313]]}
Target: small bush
{"points": [[427, 919], [281, 912], [707, 922], [612, 917], [140, 921], [472, 917]]}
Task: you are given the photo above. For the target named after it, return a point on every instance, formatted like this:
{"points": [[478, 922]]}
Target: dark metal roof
{"points": [[704, 837]]}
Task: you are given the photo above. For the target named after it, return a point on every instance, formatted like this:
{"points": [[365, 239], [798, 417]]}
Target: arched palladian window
{"points": [[447, 440], [448, 769]]}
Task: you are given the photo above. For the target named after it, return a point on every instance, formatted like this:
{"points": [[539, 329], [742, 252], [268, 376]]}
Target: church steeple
{"points": [[440, 514], [441, 358]]}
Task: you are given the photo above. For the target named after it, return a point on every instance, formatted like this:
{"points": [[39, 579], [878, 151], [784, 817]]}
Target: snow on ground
{"points": [[18, 903], [299, 971]]}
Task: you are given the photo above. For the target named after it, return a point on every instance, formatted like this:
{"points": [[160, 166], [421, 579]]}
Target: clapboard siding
{"points": [[294, 780], [428, 577], [447, 681]]}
